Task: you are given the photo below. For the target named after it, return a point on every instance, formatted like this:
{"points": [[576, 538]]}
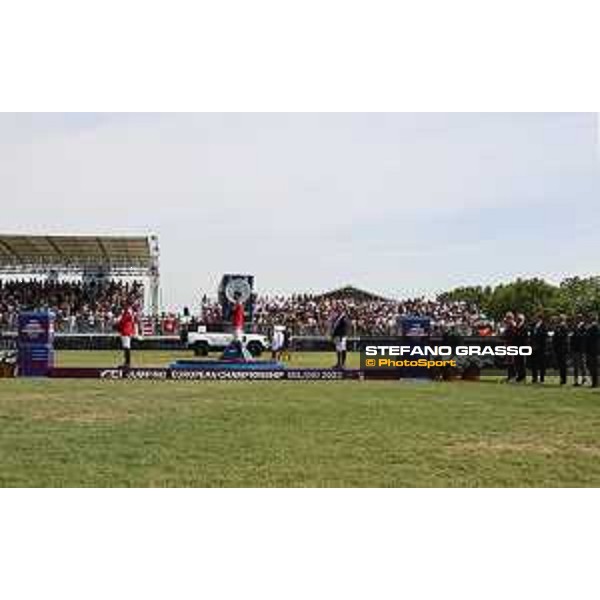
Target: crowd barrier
{"points": [[107, 341], [70, 341], [304, 343]]}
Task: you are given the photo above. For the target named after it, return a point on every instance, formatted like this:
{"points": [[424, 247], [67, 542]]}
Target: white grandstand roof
{"points": [[35, 253]]}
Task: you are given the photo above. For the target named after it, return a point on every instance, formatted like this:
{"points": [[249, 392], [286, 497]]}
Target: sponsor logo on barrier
{"points": [[152, 374], [315, 375], [134, 374], [111, 374], [216, 374], [32, 329]]}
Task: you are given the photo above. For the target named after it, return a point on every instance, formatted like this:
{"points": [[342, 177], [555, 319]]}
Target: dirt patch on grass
{"points": [[588, 450], [83, 417], [542, 448]]}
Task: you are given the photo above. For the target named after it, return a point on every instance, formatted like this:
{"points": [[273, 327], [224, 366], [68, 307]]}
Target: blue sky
{"points": [[397, 203]]}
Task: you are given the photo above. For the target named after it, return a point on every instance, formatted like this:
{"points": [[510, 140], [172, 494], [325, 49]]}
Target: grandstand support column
{"points": [[154, 276]]}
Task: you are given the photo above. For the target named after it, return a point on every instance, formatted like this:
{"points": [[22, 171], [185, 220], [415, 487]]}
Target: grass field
{"points": [[119, 433]]}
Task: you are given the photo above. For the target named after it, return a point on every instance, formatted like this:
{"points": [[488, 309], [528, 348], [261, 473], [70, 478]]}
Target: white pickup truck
{"points": [[202, 342]]}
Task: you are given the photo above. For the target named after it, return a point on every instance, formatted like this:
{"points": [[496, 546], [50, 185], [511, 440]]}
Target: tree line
{"points": [[572, 296]]}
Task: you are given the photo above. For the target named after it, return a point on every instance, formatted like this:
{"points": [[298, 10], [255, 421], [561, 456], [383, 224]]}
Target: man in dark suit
{"points": [[339, 332], [560, 345], [508, 336], [592, 339], [521, 338], [578, 350], [538, 335]]}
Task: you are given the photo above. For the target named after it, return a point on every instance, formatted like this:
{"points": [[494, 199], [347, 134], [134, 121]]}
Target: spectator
{"points": [[309, 315], [560, 345], [78, 306], [578, 351]]}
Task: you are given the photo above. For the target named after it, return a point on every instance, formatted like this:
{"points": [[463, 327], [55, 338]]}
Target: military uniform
{"points": [[592, 338], [560, 345], [509, 340], [538, 337], [521, 338], [578, 353]]}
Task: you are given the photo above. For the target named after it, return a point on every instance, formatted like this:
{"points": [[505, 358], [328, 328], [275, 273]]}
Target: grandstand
{"points": [[350, 292], [90, 257]]}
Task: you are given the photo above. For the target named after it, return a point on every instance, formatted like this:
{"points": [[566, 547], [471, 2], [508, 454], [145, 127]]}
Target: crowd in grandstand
{"points": [[311, 315], [78, 307], [93, 307]]}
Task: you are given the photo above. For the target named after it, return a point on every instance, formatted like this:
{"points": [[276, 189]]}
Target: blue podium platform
{"points": [[227, 365]]}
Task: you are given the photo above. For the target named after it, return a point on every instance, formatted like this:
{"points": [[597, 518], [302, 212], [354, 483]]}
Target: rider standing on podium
{"points": [[237, 320]]}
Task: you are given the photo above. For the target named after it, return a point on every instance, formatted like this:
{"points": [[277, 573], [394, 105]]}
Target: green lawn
{"points": [[120, 433]]}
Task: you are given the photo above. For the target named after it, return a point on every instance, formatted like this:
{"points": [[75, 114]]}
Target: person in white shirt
{"points": [[277, 342]]}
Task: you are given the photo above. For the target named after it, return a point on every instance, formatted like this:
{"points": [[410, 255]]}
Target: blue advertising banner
{"points": [[415, 326], [36, 328], [35, 343]]}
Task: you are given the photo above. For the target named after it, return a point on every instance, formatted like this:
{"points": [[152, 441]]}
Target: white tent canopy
{"points": [[74, 252]]}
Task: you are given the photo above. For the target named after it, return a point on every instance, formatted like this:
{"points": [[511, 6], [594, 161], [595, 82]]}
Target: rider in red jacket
{"points": [[126, 329], [126, 324], [237, 319]]}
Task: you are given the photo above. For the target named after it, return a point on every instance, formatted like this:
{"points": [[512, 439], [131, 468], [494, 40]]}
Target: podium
{"points": [[35, 344]]}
